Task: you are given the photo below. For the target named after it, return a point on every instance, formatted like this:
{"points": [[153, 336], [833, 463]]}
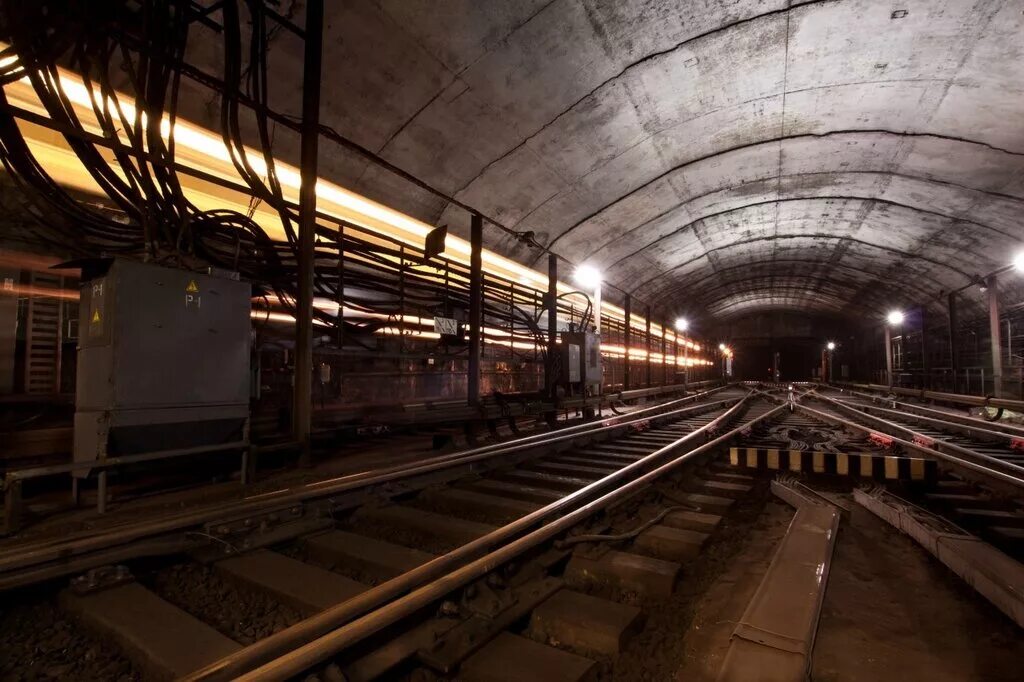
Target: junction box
{"points": [[163, 359], [581, 361]]}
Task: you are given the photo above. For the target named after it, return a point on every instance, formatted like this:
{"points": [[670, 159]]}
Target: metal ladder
{"points": [[43, 332]]}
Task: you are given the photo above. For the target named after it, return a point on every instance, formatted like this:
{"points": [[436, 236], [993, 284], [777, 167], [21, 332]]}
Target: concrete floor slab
{"points": [[379, 558], [665, 542], [475, 502], [691, 520], [161, 639], [306, 587], [585, 623], [713, 504], [511, 658], [626, 571], [446, 528]]}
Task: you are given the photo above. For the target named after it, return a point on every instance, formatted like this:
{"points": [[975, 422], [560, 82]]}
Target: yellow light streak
{"points": [[204, 150]]}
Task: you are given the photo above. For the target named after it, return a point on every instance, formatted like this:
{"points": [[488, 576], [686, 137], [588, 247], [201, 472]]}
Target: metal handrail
{"points": [[959, 398], [921, 410], [50, 551], [974, 431]]}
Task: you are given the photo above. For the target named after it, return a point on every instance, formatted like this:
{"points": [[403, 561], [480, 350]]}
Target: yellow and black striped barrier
{"points": [[863, 464]]}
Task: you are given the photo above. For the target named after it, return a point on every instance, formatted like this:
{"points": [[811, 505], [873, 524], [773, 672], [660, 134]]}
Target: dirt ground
{"points": [[38, 641], [893, 612], [724, 598], [660, 650]]}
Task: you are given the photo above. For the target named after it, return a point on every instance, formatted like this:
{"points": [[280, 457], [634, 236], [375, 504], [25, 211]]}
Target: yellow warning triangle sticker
{"points": [[192, 287], [95, 316]]}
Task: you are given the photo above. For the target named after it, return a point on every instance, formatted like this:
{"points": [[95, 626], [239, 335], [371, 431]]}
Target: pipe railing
{"points": [[37, 553]]}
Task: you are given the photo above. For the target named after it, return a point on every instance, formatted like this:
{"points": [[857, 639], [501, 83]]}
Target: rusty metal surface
{"points": [[774, 639]]}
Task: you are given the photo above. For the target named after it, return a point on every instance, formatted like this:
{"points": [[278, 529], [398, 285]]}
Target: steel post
{"points": [[664, 353], [993, 322], [475, 296], [627, 336], [686, 365], [888, 355], [303, 392], [647, 338], [925, 380], [340, 299], [551, 302]]}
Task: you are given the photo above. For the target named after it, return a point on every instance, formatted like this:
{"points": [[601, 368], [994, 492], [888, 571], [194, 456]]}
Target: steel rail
{"points": [[959, 398], [941, 424], [923, 411], [294, 662], [961, 457], [441, 569], [38, 553]]}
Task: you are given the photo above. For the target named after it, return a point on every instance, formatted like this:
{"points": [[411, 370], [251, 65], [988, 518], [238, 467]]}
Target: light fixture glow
{"points": [[831, 345], [682, 324], [721, 347], [203, 150], [1018, 262], [587, 276], [894, 318]]}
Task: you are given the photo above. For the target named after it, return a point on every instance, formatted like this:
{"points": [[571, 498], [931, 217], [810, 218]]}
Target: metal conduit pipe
{"points": [[1014, 479], [47, 551], [958, 398], [328, 623], [294, 662], [929, 415], [31, 565]]}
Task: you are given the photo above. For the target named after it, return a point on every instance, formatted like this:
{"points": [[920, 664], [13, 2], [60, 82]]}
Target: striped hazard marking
{"points": [[863, 464]]}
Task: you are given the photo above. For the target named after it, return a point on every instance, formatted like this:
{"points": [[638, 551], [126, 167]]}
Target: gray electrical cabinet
{"points": [[581, 360], [163, 360]]}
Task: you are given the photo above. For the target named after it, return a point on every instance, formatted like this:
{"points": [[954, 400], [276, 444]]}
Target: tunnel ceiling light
{"points": [[682, 324], [895, 317], [831, 345], [587, 276], [1018, 262]]}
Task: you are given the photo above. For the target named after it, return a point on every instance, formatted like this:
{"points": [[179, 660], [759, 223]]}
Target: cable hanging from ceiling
{"points": [[130, 57]]}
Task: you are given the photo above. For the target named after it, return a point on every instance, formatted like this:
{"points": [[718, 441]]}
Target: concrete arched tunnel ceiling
{"points": [[716, 158]]}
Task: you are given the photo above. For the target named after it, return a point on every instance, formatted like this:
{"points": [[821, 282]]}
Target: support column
{"points": [[686, 365], [925, 378], [476, 242], [665, 352], [647, 337], [627, 336], [303, 394], [551, 302], [954, 355], [340, 300], [8, 327], [888, 355], [993, 323]]}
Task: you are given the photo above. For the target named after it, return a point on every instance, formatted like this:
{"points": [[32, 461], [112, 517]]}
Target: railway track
{"points": [[968, 471], [951, 483], [386, 533], [980, 465]]}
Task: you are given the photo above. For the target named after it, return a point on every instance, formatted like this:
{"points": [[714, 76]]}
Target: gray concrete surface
{"points": [[840, 156]]}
